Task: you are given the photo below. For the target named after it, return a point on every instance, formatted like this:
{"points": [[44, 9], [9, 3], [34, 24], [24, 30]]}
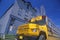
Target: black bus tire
{"points": [[42, 37]]}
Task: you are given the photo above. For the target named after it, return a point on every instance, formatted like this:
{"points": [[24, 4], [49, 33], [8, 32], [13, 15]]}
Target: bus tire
{"points": [[42, 37]]}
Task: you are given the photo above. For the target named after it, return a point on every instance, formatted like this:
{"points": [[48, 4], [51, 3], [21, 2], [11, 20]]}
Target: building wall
{"points": [[19, 14], [20, 10], [15, 26], [4, 21]]}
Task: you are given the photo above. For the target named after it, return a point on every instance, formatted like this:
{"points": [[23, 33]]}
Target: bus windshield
{"points": [[40, 22]]}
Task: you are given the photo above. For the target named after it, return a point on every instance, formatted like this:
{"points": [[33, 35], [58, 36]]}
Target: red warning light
{"points": [[43, 17]]}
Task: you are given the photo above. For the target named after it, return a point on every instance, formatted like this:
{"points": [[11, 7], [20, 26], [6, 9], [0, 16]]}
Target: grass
{"points": [[9, 37]]}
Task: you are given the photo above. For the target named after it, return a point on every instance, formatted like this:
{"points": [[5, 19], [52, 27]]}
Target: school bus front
{"points": [[36, 27]]}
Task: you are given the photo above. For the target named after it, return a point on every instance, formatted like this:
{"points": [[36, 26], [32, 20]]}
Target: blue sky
{"points": [[52, 8]]}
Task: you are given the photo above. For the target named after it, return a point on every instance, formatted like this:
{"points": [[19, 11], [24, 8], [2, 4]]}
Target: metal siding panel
{"points": [[15, 26]]}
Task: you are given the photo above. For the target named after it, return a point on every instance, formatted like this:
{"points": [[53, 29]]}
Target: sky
{"points": [[52, 8]]}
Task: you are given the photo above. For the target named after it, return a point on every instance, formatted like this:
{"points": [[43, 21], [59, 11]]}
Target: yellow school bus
{"points": [[36, 27]]}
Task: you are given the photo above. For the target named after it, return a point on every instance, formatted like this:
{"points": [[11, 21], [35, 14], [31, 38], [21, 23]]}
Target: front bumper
{"points": [[23, 37]]}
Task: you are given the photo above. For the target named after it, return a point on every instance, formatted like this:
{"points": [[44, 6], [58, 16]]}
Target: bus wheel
{"points": [[42, 37]]}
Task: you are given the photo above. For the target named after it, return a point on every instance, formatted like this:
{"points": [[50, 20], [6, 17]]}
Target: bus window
{"points": [[40, 22]]}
